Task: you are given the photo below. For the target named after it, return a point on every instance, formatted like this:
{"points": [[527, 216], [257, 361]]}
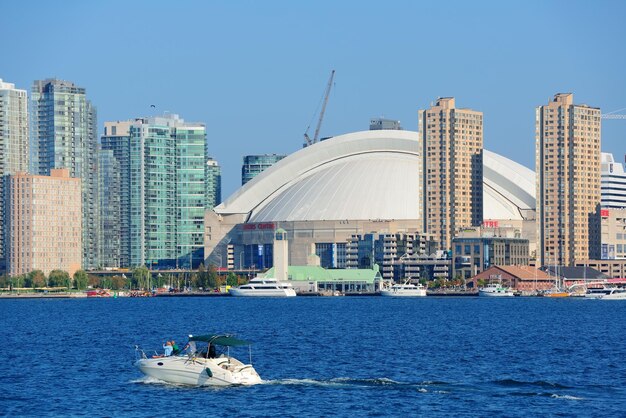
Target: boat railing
{"points": [[140, 353]]}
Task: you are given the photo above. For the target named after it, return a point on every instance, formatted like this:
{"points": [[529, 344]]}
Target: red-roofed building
{"points": [[520, 278]]}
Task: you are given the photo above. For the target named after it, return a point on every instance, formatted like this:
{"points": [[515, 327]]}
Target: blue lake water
{"points": [[343, 356]]}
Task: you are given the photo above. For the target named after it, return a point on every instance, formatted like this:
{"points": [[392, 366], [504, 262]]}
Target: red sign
{"points": [[604, 213], [490, 224], [252, 227]]}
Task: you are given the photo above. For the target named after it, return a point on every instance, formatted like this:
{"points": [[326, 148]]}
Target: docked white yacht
{"points": [[205, 361], [607, 293], [264, 286], [405, 289], [496, 290]]}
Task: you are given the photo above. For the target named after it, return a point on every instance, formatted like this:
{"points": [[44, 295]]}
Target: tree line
{"points": [[140, 279]]}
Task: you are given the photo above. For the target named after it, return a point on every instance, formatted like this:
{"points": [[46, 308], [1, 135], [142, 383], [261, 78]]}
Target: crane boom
{"points": [[326, 94], [307, 140]]}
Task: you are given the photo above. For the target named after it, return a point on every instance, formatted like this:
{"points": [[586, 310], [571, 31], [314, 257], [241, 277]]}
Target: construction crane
{"points": [[613, 115], [308, 141]]}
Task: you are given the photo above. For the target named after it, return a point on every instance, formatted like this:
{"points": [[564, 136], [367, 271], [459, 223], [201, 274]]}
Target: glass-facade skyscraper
{"points": [[116, 138], [166, 191], [64, 135], [253, 165], [13, 144], [110, 209], [213, 183]]}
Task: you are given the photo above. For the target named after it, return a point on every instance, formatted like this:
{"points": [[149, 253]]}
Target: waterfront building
{"points": [[377, 124], [391, 252], [44, 227], [473, 255], [116, 139], [64, 135], [354, 184], [307, 279], [213, 183], [615, 269], [613, 233], [253, 165], [568, 181], [525, 279], [167, 192], [612, 183], [14, 147], [110, 209], [451, 173]]}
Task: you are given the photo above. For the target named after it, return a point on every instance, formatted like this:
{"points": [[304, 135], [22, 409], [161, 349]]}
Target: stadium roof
{"points": [[367, 175]]}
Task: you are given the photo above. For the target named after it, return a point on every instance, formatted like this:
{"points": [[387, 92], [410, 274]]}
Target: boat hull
{"points": [[403, 293], [184, 370], [495, 294], [263, 292]]}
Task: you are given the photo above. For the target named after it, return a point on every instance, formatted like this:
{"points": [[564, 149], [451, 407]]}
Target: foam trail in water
{"points": [[352, 382], [568, 397]]}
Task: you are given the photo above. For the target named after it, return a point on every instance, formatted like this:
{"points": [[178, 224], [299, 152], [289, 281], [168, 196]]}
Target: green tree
{"points": [[4, 281], [93, 280], [232, 279], [81, 279], [118, 282], [141, 277], [213, 278], [59, 278], [36, 278]]}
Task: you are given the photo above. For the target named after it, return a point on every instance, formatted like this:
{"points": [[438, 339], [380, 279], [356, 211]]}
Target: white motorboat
{"points": [[405, 289], [205, 361], [607, 293], [264, 286], [496, 290]]}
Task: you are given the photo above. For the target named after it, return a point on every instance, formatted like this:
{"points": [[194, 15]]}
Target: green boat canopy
{"points": [[220, 339]]}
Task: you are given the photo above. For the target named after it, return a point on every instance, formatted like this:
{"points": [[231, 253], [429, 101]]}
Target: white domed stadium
{"points": [[350, 184]]}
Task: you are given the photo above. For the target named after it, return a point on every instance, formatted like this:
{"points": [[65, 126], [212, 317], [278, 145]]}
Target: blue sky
{"points": [[255, 71]]}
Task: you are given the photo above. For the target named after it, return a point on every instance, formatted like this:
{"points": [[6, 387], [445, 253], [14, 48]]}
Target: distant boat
{"points": [[404, 290], [495, 290], [556, 293], [260, 286], [607, 293]]}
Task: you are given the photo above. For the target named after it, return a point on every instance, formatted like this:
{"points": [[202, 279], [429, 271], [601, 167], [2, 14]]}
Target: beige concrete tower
{"points": [[44, 223], [451, 175], [568, 181], [281, 255]]}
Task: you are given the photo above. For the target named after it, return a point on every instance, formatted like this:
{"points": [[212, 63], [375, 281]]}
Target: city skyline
{"points": [[245, 65]]}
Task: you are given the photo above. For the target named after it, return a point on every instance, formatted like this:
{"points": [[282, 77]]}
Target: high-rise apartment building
{"points": [[253, 165], [451, 176], [568, 181], [213, 183], [116, 138], [44, 223], [64, 135], [13, 143], [110, 209], [167, 192], [377, 124], [613, 183]]}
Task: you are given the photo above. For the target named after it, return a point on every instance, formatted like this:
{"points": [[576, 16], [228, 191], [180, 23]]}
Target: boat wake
{"points": [[347, 382], [426, 386]]}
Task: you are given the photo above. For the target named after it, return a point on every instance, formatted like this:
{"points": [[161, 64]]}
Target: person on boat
{"points": [[190, 347], [167, 347], [212, 353], [175, 348]]}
